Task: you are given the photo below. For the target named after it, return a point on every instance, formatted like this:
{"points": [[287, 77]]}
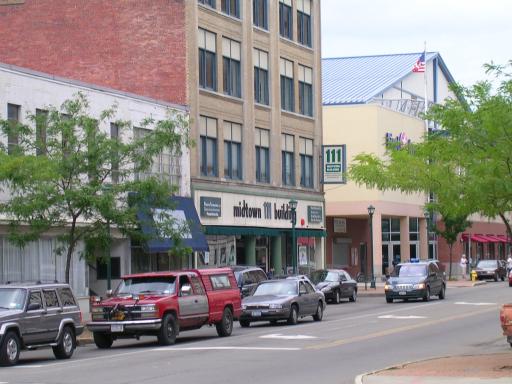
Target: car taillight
{"points": [[81, 318]]}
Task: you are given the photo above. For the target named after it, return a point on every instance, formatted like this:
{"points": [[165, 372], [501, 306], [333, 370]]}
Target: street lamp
{"points": [[427, 216], [293, 208], [106, 188], [371, 210]]}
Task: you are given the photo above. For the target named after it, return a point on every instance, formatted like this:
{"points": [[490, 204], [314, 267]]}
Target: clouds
{"points": [[466, 33]]}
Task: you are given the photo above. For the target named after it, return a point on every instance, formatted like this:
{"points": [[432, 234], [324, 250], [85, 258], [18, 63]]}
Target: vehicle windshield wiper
{"points": [[150, 291]]}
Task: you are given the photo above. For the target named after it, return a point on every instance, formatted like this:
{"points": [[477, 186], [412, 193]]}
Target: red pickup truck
{"points": [[164, 303]]}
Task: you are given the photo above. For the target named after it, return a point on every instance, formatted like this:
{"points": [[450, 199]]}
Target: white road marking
{"points": [[225, 349], [401, 317], [287, 337], [464, 303]]}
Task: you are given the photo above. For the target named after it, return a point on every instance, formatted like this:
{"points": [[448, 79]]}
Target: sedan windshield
{"points": [[410, 270], [487, 264], [327, 276], [160, 285], [12, 298], [278, 288]]}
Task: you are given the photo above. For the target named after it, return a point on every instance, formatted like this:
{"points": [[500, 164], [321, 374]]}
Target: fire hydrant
{"points": [[473, 275]]}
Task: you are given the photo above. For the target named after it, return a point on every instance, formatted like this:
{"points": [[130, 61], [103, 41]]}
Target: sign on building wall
{"points": [[315, 214], [303, 255], [333, 164], [340, 225], [210, 206]]}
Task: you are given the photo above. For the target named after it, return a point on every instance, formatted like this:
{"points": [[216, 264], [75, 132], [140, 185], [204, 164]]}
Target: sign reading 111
{"points": [[333, 164], [333, 155]]}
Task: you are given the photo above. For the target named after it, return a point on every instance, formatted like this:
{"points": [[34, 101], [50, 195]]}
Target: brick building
{"points": [[249, 72]]}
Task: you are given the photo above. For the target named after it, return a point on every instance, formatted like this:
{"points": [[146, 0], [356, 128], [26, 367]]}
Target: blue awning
{"points": [[184, 212]]}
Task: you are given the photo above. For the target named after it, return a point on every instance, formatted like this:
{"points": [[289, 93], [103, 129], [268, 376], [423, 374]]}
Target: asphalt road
{"points": [[352, 338]]}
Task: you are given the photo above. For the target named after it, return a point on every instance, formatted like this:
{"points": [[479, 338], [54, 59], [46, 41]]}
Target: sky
{"points": [[467, 33]]}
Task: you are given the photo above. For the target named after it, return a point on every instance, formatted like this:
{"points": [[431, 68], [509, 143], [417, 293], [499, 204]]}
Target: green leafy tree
{"points": [[63, 173]]}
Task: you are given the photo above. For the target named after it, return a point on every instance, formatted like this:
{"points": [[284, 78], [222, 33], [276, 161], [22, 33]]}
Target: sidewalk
{"points": [[379, 290], [478, 369]]}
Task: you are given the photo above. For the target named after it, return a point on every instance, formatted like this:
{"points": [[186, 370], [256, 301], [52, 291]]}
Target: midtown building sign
{"points": [[267, 211]]}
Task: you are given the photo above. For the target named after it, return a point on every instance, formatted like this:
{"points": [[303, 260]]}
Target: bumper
{"points": [[329, 295], [265, 314], [485, 275], [127, 326], [79, 329], [412, 294]]}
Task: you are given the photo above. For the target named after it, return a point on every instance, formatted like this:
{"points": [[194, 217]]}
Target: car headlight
{"points": [[326, 289], [275, 306], [388, 287], [97, 309], [244, 306], [419, 286], [148, 308]]}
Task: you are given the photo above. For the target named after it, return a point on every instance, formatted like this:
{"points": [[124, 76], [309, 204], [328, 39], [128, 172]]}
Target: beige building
{"points": [[254, 91], [366, 102]]}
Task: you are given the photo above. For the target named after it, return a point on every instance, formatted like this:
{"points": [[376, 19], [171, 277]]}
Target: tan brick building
{"points": [[249, 70]]}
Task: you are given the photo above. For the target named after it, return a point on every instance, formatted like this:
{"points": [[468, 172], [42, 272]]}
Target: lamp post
{"points": [[371, 210], [427, 216], [293, 207]]}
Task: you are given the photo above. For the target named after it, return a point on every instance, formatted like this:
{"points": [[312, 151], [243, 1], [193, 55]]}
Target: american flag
{"points": [[420, 64]]}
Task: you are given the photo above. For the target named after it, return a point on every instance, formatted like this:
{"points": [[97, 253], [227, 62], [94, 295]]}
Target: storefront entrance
{"points": [[390, 256]]}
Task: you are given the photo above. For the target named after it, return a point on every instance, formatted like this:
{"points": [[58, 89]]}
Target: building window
{"points": [[41, 125], [305, 90], [231, 61], [210, 3], [306, 162], [288, 159], [287, 95], [304, 22], [260, 13], [232, 150], [13, 116], [285, 18], [262, 143], [260, 59], [231, 7], [208, 133], [166, 166], [207, 60], [115, 269], [114, 163]]}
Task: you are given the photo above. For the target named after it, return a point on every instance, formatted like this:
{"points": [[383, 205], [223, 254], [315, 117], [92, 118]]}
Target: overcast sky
{"points": [[467, 33]]}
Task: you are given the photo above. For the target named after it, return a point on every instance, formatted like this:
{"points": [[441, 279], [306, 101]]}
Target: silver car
{"points": [[287, 299]]}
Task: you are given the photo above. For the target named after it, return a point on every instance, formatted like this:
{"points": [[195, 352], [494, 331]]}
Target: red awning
{"points": [[477, 238], [494, 238], [503, 238]]}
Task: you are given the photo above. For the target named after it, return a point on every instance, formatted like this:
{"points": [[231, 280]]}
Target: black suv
{"points": [[247, 278], [35, 315], [418, 280]]}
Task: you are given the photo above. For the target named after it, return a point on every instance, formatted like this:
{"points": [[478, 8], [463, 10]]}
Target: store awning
{"points": [[504, 238], [261, 231], [475, 238], [184, 214]]}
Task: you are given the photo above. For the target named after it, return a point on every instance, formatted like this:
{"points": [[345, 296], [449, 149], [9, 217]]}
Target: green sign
{"points": [[333, 164]]}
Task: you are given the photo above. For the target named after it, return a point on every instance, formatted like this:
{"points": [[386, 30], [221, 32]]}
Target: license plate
{"points": [[116, 328], [256, 313], [402, 293]]}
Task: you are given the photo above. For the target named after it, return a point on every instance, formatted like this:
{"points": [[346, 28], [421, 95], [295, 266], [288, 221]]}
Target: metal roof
{"points": [[357, 79]]}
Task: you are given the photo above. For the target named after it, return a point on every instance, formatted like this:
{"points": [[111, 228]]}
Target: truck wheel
{"points": [[10, 349], [294, 315], [169, 330], [66, 345], [245, 323], [225, 326], [102, 340], [319, 314]]}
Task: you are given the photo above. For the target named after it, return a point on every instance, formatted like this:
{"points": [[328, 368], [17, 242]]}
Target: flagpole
{"points": [[425, 84]]}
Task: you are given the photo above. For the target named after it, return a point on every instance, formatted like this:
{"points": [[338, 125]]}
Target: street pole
{"points": [[371, 210], [109, 259], [293, 207]]}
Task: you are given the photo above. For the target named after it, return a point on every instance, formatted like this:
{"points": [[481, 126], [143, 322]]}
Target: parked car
{"points": [[164, 303], [418, 280], [247, 278], [510, 279], [285, 299], [491, 269], [36, 315], [335, 284]]}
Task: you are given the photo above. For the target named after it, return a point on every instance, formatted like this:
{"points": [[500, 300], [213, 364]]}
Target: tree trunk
{"points": [[71, 248], [450, 268]]}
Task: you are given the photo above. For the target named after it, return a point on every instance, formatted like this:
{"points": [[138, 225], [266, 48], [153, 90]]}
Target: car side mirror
{"points": [[34, 307], [186, 290]]}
